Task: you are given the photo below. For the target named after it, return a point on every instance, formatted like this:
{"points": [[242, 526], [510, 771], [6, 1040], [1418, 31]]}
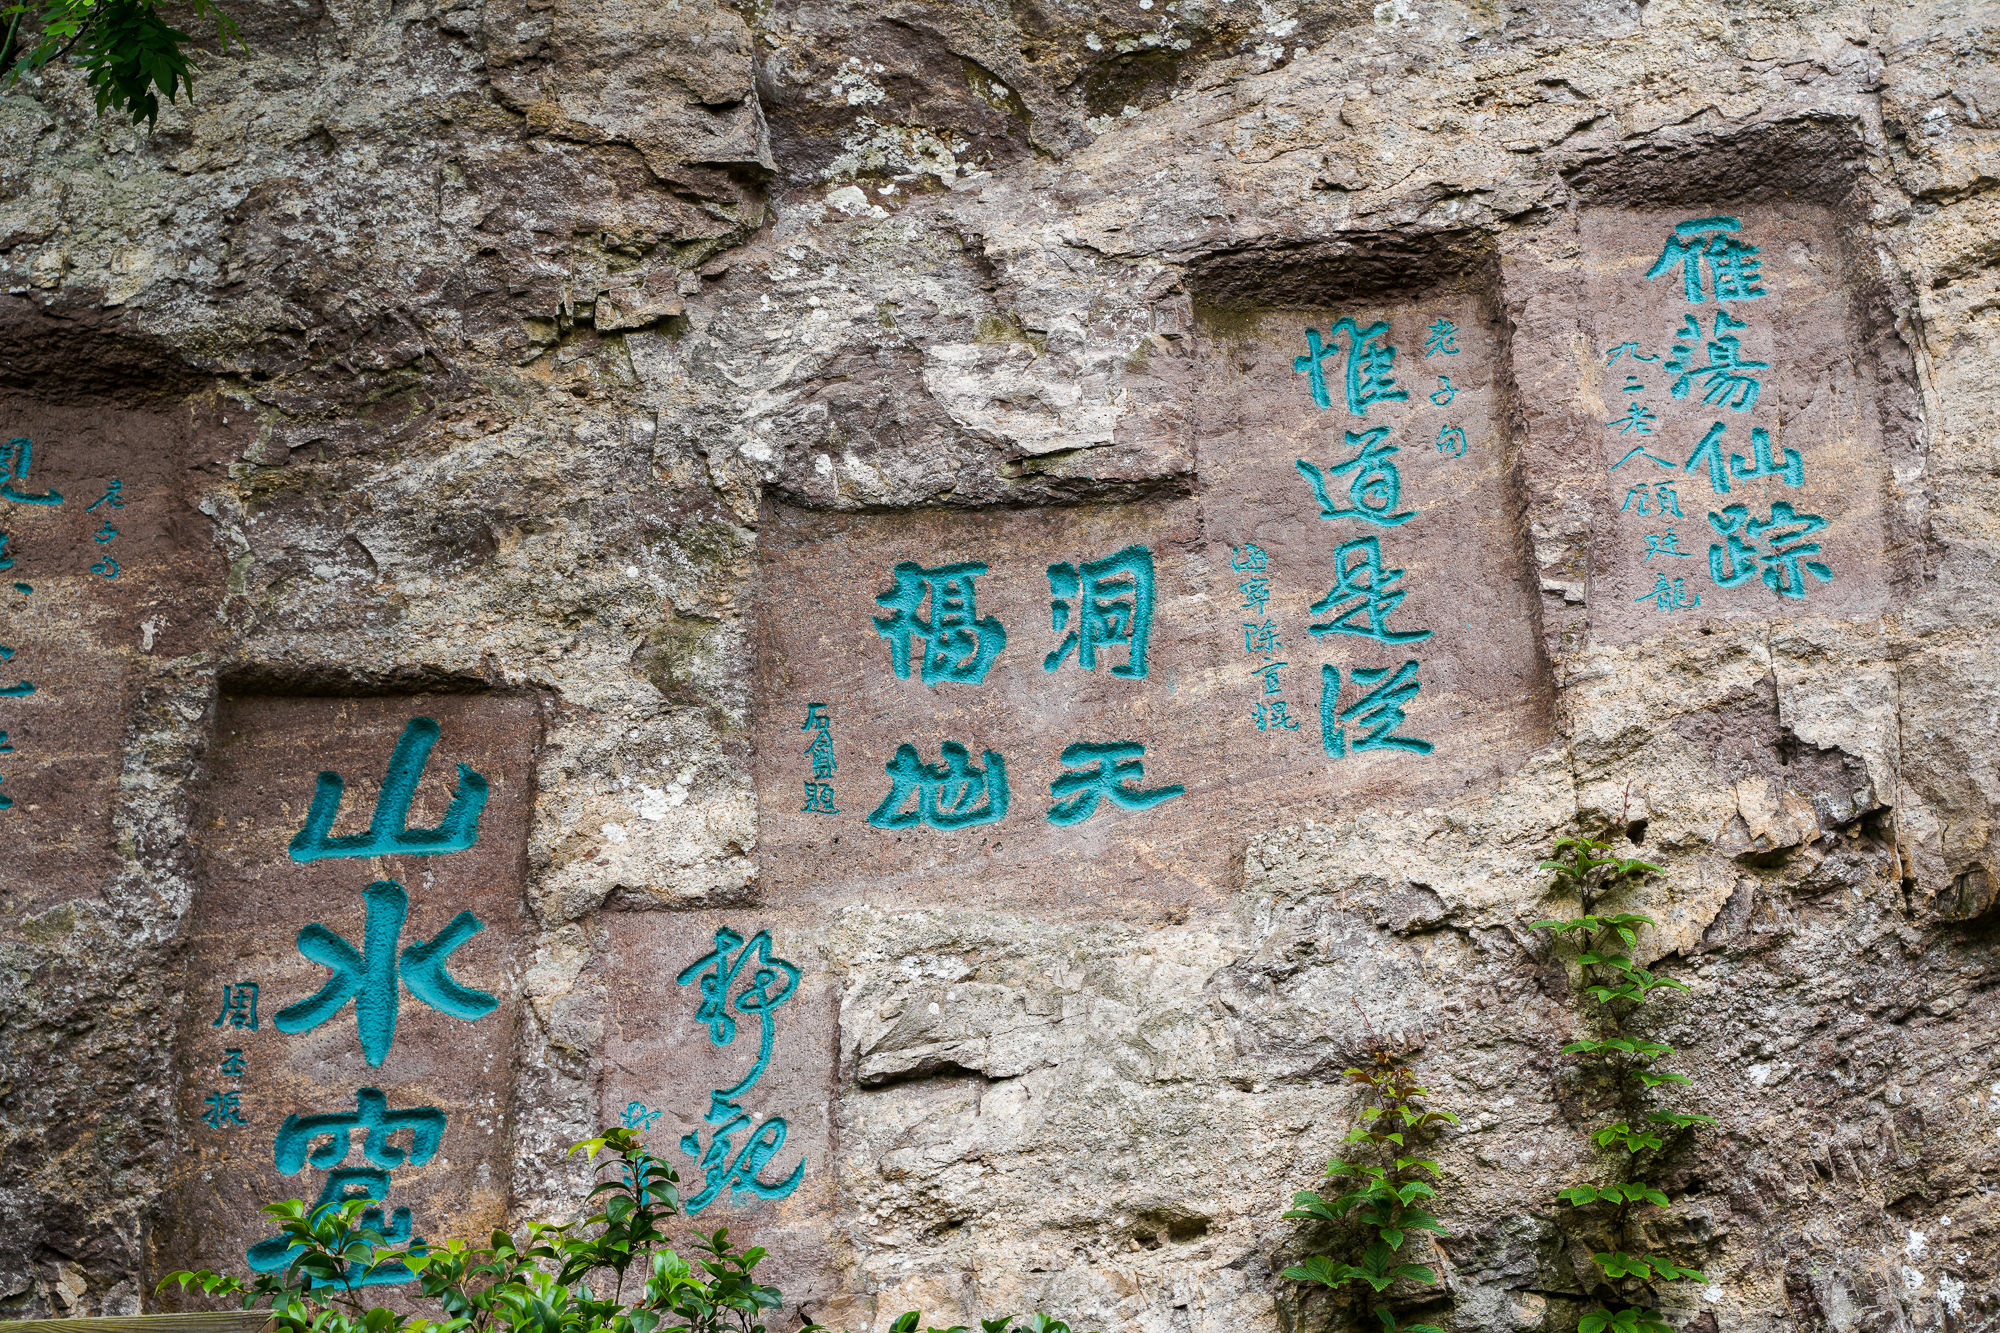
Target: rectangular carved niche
{"points": [[352, 984], [1377, 635], [1742, 465], [720, 1049], [104, 566], [925, 677]]}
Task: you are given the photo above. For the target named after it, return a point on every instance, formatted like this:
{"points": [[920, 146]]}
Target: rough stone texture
{"points": [[493, 329]]}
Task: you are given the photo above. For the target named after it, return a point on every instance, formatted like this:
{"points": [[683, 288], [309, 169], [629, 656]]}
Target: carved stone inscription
{"points": [[353, 969], [976, 705], [1743, 469], [718, 1048], [1379, 638], [102, 567], [1102, 701]]}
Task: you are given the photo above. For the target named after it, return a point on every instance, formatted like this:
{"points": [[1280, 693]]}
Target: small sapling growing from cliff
{"points": [[1388, 1196], [1613, 1211]]}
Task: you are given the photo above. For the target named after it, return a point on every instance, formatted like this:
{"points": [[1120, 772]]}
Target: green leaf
{"points": [[1679, 1120], [1319, 1269]]}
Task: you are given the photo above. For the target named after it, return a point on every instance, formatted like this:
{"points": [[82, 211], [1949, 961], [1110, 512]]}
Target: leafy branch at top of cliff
{"points": [[1587, 867], [130, 56], [1388, 1198]]}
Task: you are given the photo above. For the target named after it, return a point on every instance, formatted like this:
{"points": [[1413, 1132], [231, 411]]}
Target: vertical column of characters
{"points": [[16, 461], [1263, 639], [1103, 611], [358, 1148], [819, 754], [1365, 593], [1720, 279], [768, 982]]}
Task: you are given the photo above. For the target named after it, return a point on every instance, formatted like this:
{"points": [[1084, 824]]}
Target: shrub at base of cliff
{"points": [[571, 1278]]}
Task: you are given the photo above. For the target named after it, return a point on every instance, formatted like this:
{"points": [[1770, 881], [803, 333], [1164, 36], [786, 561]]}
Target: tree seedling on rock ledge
{"points": [[1389, 1198], [1587, 867]]}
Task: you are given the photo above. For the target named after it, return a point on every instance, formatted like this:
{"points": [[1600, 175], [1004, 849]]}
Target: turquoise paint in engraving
{"points": [[771, 982], [1115, 764], [951, 795], [388, 829], [958, 645], [369, 976], [1104, 603], [1380, 710]]}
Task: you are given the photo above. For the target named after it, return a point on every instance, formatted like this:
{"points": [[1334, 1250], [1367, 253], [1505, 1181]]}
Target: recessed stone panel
{"points": [[103, 566], [1009, 693], [1742, 463], [720, 1046], [373, 989], [1378, 636]]}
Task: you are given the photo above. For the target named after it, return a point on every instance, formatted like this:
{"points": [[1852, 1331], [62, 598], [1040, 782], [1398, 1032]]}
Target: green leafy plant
{"points": [[1389, 1198], [130, 56], [610, 1271], [1590, 869]]}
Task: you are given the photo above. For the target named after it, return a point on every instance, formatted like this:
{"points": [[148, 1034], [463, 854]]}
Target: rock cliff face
{"points": [[487, 348]]}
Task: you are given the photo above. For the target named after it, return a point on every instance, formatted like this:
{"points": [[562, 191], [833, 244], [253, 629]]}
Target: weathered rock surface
{"points": [[481, 336]]}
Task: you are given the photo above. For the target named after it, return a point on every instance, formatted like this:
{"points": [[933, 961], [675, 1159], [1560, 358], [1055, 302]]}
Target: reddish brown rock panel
{"points": [[1425, 514], [259, 910], [102, 566], [747, 1123], [1759, 490]]}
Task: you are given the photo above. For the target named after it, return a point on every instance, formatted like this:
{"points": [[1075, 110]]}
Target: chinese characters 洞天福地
{"points": [[1761, 463], [1376, 714], [1103, 604], [15, 458], [951, 795], [239, 1006], [1363, 596], [1783, 563], [388, 828], [955, 643], [1374, 488], [298, 1145], [1712, 261], [369, 976], [1670, 595], [819, 751], [771, 982], [1724, 376], [1077, 795], [1370, 363]]}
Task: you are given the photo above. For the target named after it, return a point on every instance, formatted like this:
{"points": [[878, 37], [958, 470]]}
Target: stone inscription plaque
{"points": [[103, 566], [353, 968], [969, 785], [1380, 638], [720, 1049], [1095, 705], [1743, 468]]}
